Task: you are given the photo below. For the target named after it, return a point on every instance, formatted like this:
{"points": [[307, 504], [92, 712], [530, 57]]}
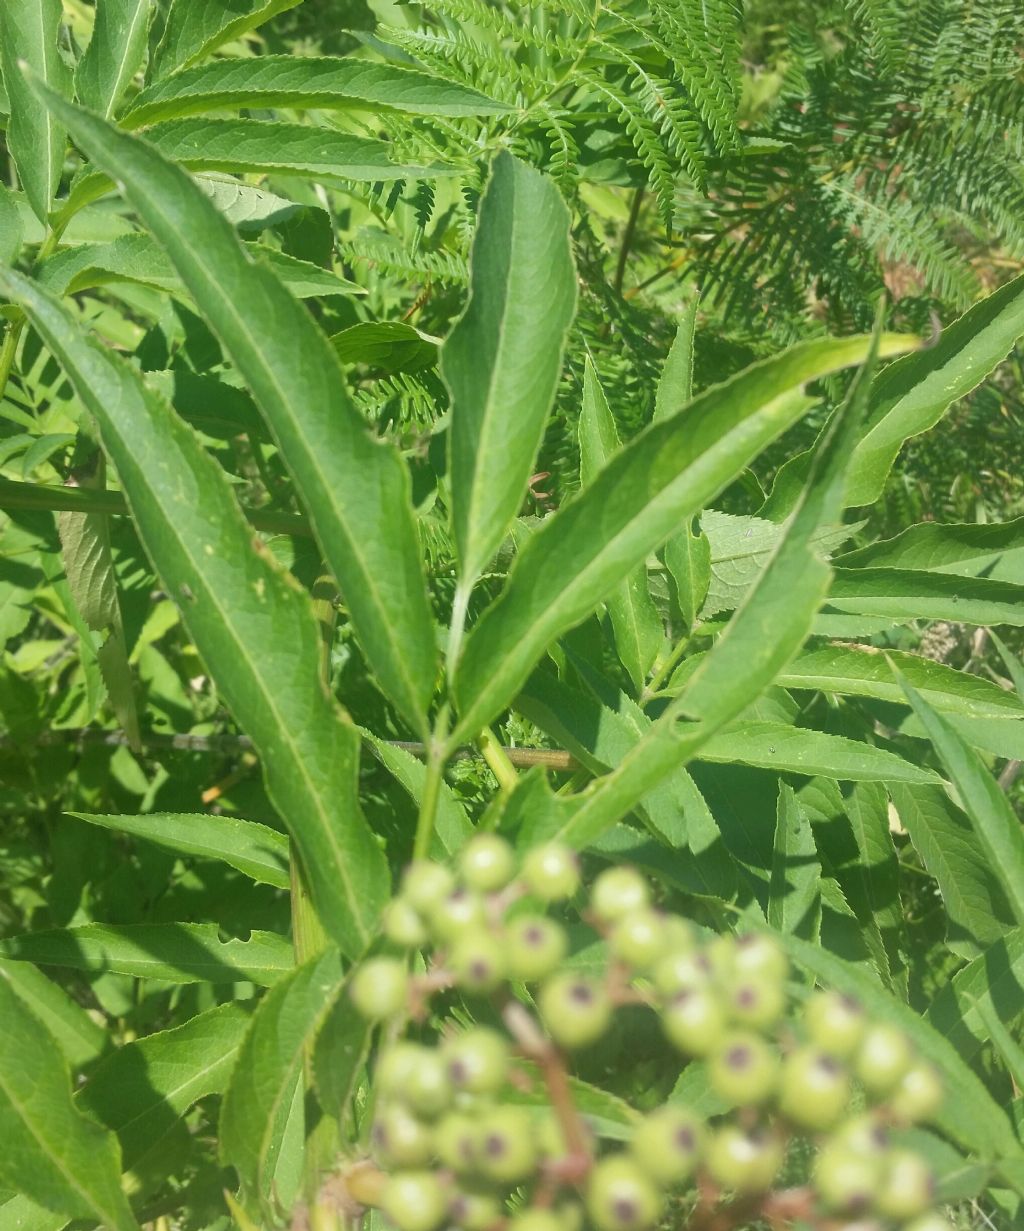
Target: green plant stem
{"points": [[437, 755], [497, 759], [627, 240], [8, 352], [666, 668], [10, 345]]}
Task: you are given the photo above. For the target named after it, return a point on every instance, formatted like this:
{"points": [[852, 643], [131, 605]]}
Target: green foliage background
{"points": [[737, 181]]}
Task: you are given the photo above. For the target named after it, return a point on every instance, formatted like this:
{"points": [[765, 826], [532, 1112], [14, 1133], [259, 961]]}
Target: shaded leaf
{"points": [[977, 912], [635, 621], [35, 137], [794, 895], [391, 346], [174, 952], [234, 602], [80, 1038], [52, 1153], [115, 53], [191, 31], [255, 850], [138, 258], [996, 825], [356, 488], [259, 1099]]}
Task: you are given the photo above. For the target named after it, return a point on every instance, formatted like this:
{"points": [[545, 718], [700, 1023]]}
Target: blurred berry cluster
{"points": [[454, 1144]]}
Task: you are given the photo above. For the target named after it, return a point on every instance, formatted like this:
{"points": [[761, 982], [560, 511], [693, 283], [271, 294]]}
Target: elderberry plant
{"points": [[467, 756], [477, 1126]]}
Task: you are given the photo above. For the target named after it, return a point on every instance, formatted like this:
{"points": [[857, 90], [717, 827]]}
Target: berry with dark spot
{"points": [[744, 1069], [621, 1197], [576, 1009], [534, 947], [667, 1145]]}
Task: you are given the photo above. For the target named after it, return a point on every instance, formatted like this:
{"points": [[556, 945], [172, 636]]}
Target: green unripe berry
{"points": [[638, 938], [474, 1211], [929, 1222], [414, 1200], [477, 1060], [907, 1188], [695, 1020], [620, 1197], [403, 925], [681, 971], [680, 936], [534, 947], [380, 988], [882, 1060], [551, 872], [576, 1009], [538, 1220], [428, 1089], [460, 914], [400, 1139], [507, 1150], [667, 1145], [487, 863], [744, 1069], [394, 1067], [918, 1096], [865, 1134], [846, 1180], [456, 1142], [835, 1023], [720, 955], [478, 962], [757, 1002], [759, 955], [744, 1161], [618, 892], [425, 884], [815, 1089]]}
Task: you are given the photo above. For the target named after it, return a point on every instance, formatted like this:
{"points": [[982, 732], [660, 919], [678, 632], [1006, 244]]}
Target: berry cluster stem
{"points": [[537, 1047]]}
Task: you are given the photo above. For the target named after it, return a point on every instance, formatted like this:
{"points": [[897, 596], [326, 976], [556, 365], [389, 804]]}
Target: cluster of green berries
{"points": [[460, 1143]]}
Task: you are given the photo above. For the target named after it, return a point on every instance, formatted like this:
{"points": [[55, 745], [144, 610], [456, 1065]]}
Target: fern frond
{"points": [[646, 141], [384, 252], [885, 23], [702, 39]]}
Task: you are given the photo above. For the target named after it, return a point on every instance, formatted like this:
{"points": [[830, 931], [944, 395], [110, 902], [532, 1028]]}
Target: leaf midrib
{"points": [[326, 490]]}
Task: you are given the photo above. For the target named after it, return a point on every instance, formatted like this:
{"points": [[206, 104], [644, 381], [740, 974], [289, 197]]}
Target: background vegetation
{"points": [[738, 180]]}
